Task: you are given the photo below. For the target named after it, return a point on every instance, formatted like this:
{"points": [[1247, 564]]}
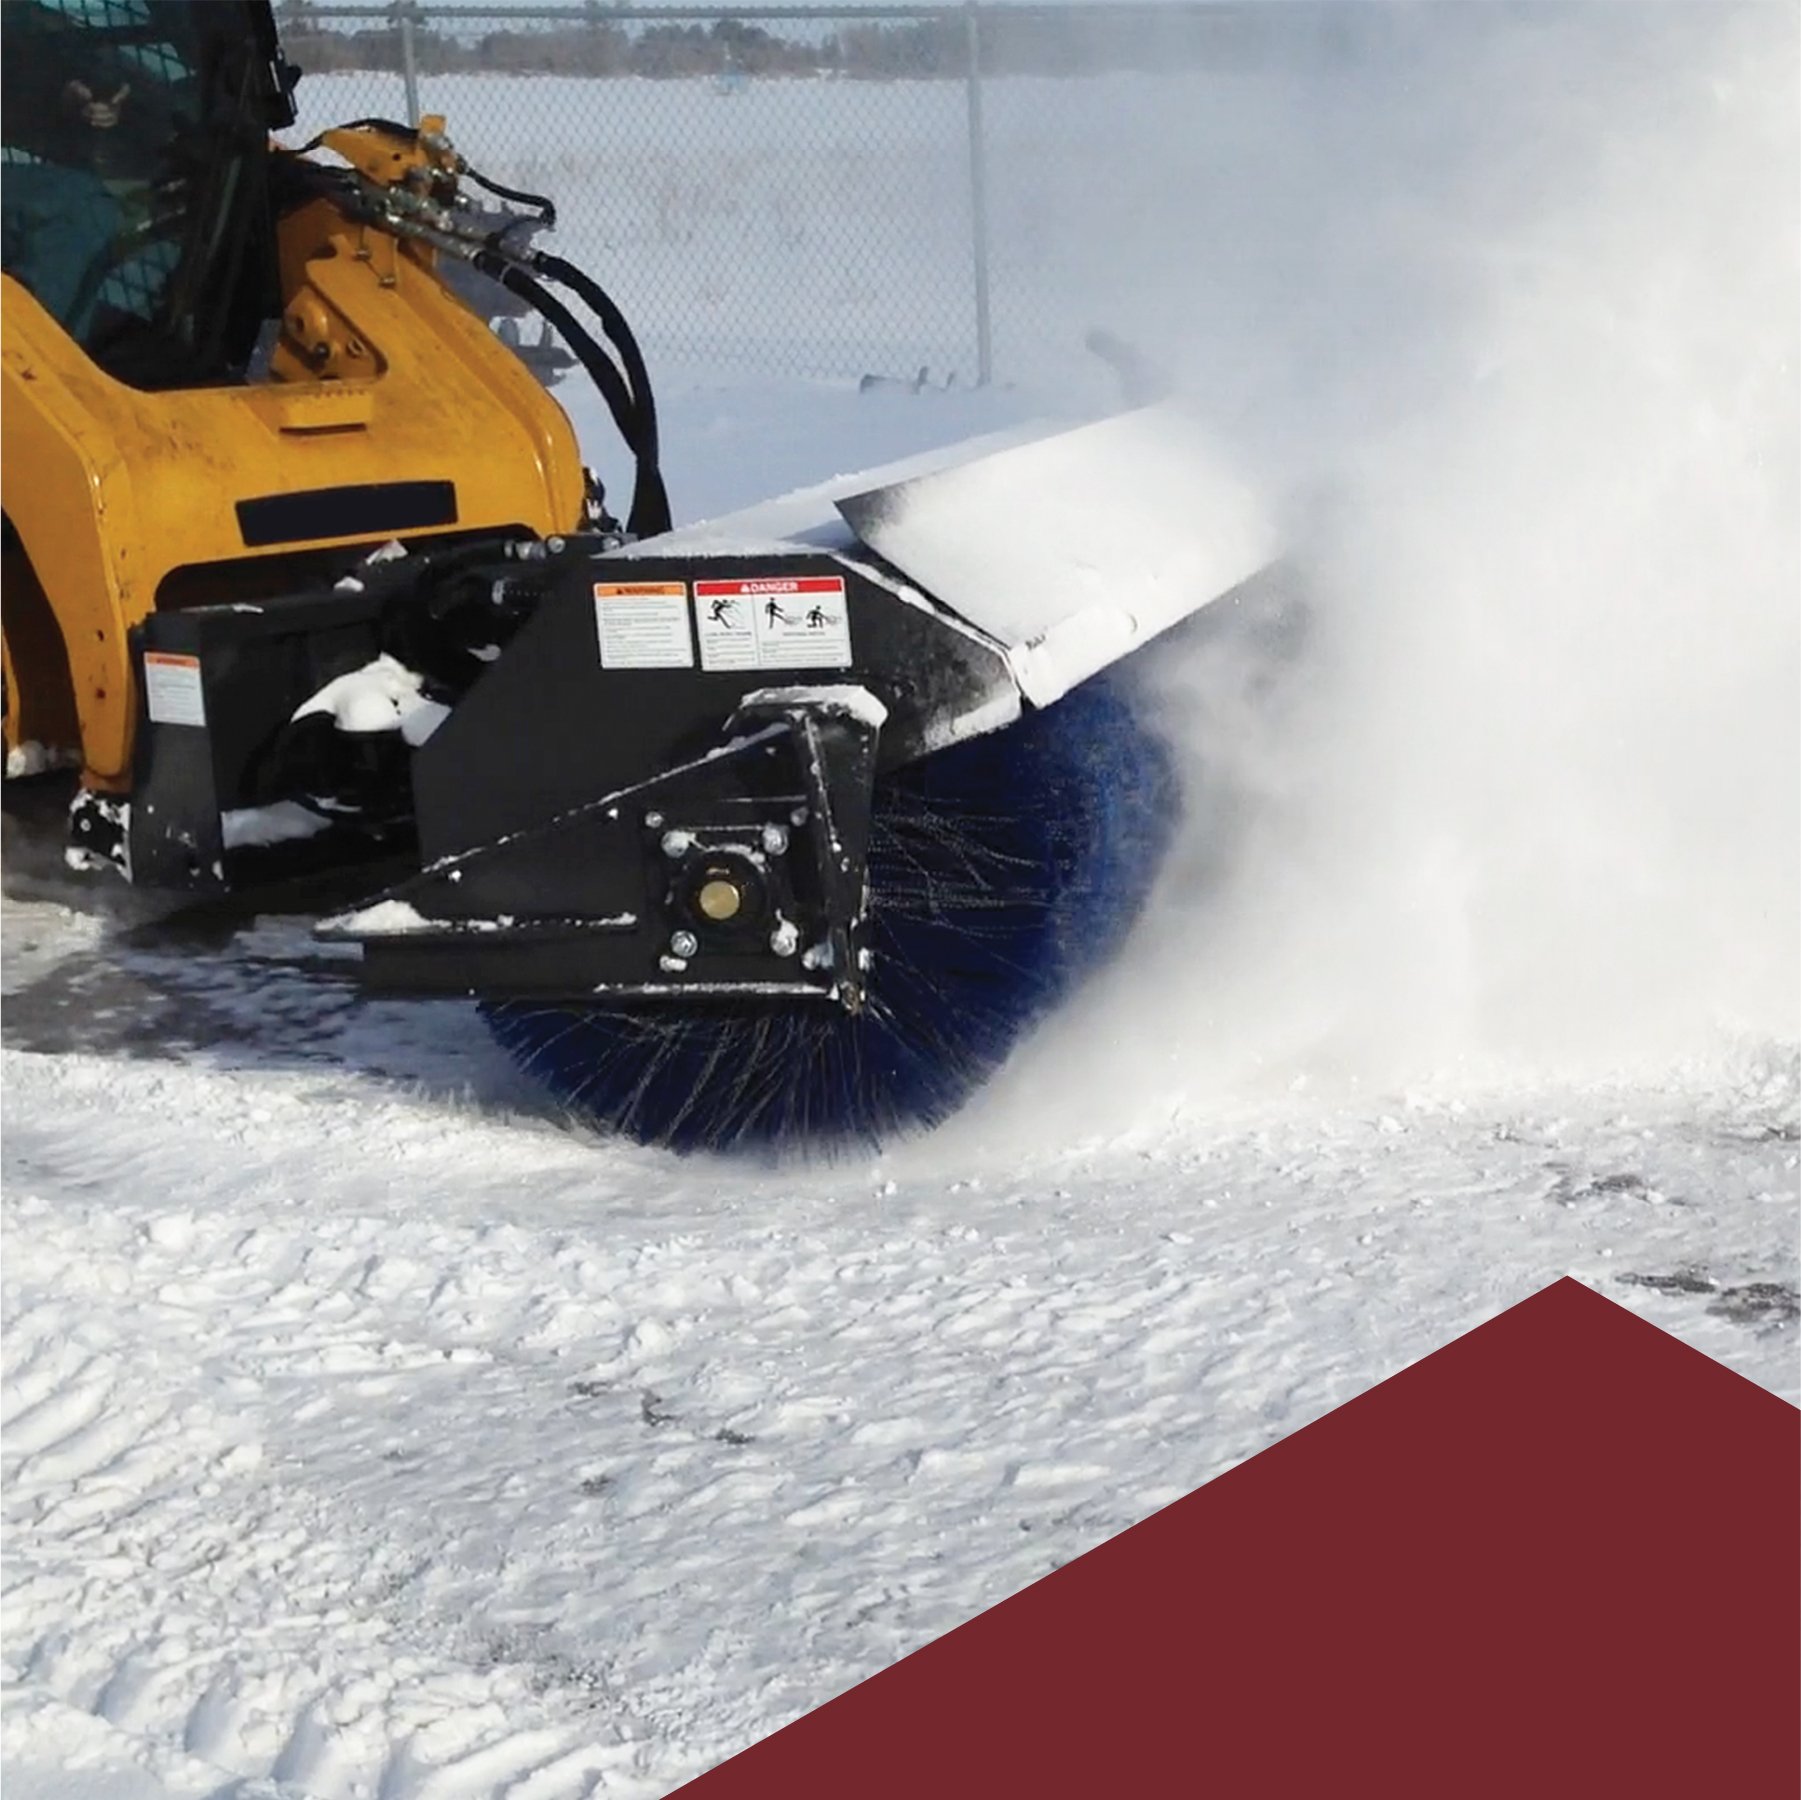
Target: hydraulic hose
{"points": [[619, 334], [649, 514], [546, 207], [625, 386]]}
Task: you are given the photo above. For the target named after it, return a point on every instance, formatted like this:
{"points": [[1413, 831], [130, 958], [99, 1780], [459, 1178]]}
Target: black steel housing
{"points": [[548, 802], [258, 662]]}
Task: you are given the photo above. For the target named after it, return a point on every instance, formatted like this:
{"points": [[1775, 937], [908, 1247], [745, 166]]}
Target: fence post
{"points": [[978, 189], [405, 11]]}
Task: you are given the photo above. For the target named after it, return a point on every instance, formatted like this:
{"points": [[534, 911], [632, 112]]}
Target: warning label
{"points": [[773, 622], [172, 691], [643, 625]]}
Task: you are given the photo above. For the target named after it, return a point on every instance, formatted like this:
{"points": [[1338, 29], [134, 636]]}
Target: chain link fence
{"points": [[911, 193]]}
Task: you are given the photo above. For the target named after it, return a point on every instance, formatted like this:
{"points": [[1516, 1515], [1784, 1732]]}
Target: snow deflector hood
{"points": [[1074, 549]]}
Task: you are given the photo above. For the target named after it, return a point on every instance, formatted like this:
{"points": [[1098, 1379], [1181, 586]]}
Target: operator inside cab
{"points": [[134, 197]]}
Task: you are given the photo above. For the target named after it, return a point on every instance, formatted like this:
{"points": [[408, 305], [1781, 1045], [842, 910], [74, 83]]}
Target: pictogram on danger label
{"points": [[172, 691], [643, 625], [773, 622]]}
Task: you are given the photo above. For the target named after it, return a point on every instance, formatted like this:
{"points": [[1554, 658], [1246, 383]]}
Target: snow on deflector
{"points": [[1072, 550]]}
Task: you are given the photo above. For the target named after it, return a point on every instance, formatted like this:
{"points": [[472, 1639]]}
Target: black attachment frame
{"points": [[734, 815], [573, 816]]}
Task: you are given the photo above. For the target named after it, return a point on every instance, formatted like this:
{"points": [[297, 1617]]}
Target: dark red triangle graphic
{"points": [[1560, 1556]]}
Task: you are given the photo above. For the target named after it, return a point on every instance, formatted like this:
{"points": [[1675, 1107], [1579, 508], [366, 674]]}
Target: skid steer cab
{"points": [[231, 370], [787, 823]]}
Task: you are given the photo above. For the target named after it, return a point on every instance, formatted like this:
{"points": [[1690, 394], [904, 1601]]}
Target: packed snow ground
{"points": [[369, 1431]]}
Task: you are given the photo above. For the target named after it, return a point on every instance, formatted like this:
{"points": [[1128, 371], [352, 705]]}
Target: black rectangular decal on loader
{"points": [[360, 510]]}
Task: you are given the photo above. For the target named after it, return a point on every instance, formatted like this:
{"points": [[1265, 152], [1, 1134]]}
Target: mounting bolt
{"points": [[775, 839], [798, 817], [677, 843], [683, 943], [653, 821], [784, 940]]}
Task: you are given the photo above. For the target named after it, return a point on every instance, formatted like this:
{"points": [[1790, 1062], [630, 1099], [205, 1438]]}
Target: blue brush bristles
{"points": [[1001, 872]]}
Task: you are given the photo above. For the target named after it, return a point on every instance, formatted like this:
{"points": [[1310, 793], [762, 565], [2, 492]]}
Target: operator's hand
{"points": [[103, 115]]}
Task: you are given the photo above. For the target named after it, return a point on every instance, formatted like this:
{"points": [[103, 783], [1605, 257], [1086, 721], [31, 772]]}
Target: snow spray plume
{"points": [[1536, 801]]}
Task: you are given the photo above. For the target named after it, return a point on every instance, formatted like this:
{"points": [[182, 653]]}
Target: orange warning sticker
{"points": [[172, 691], [643, 625]]}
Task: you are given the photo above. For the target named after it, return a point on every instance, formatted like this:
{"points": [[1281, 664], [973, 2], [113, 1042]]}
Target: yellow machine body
{"points": [[123, 501]]}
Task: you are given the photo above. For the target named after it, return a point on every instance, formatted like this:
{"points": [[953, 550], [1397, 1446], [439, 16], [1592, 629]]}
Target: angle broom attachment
{"points": [[1001, 872]]}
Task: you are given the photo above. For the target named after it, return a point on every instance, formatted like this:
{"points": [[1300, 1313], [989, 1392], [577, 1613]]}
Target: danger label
{"points": [[172, 691], [773, 622], [643, 625]]}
